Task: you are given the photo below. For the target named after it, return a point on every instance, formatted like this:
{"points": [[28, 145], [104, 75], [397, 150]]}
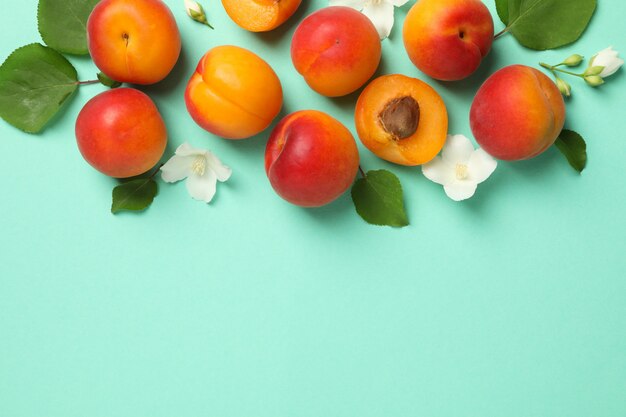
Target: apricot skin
{"points": [[311, 158], [121, 133], [260, 15], [335, 61], [233, 93], [133, 41], [447, 39], [420, 147], [517, 113]]}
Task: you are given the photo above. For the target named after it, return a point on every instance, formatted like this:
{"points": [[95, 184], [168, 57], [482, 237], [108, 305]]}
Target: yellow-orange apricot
{"points": [[233, 93], [401, 120], [260, 15]]}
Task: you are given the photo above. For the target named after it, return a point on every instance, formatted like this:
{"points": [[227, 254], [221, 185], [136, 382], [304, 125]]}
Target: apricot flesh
{"points": [[121, 133], [517, 113], [133, 41], [336, 49], [311, 158], [233, 93], [260, 15], [401, 120], [447, 39]]}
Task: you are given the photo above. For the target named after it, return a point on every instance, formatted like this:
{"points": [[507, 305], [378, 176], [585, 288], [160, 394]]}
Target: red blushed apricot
{"points": [[311, 158], [336, 49], [401, 120], [447, 39], [517, 113], [260, 15], [121, 133], [133, 41], [233, 93]]}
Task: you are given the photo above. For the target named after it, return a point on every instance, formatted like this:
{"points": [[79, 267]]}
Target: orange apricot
{"points": [[233, 93], [401, 120], [260, 15]]}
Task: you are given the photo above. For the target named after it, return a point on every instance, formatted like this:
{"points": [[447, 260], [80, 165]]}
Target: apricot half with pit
{"points": [[401, 120]]}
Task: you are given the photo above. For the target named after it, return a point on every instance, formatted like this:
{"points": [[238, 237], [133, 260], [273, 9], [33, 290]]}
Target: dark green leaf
{"points": [[573, 146], [35, 82], [549, 24], [134, 195], [502, 6], [378, 199], [63, 24], [106, 81]]}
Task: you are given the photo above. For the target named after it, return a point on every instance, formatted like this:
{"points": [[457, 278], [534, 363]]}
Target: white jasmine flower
{"points": [[201, 168], [460, 168], [196, 12], [608, 59], [380, 12]]}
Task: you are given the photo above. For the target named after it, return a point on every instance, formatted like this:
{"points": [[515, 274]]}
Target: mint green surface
{"points": [[512, 304]]}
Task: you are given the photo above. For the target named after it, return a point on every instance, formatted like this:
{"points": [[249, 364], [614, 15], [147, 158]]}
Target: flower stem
{"points": [[362, 172], [156, 171], [502, 32], [554, 68]]}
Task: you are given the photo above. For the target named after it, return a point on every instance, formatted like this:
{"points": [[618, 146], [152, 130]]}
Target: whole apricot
{"points": [[311, 158], [517, 113], [121, 133], [233, 93], [336, 49], [260, 15], [401, 120], [447, 39], [133, 41]]}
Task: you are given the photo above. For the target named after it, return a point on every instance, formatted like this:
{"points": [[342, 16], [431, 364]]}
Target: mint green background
{"points": [[510, 304]]}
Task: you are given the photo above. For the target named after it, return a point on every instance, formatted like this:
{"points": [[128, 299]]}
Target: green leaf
{"points": [[35, 82], [502, 7], [134, 195], [108, 82], [63, 24], [378, 199], [548, 24], [573, 146]]}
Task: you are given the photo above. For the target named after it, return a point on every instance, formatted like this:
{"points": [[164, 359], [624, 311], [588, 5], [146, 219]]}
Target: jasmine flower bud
{"points": [[594, 80], [564, 87], [196, 12], [608, 59], [573, 60]]}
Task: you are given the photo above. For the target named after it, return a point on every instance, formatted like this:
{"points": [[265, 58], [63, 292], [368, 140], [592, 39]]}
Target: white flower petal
{"points": [[457, 150], [460, 190], [398, 3], [222, 171], [187, 150], [381, 15], [202, 187], [608, 59], [480, 166], [439, 171], [355, 4], [177, 168], [191, 5]]}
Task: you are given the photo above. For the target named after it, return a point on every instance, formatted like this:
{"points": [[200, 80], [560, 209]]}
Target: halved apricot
{"points": [[260, 15], [401, 120]]}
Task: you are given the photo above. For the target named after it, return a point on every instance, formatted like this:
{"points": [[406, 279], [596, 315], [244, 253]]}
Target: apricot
{"points": [[311, 158], [260, 15], [121, 133], [336, 49], [517, 113], [447, 39], [233, 93], [133, 41], [401, 120]]}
